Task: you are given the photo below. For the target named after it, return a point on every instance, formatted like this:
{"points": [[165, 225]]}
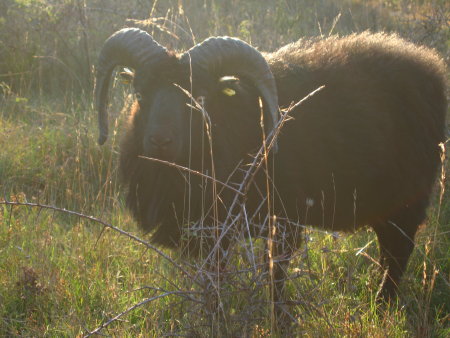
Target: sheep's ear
{"points": [[229, 85], [126, 76], [228, 91]]}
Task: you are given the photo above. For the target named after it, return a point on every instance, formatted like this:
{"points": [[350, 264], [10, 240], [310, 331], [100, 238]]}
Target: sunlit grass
{"points": [[59, 276], [62, 275]]}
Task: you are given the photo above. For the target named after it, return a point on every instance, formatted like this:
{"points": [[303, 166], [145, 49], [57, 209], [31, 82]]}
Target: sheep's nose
{"points": [[157, 144], [160, 141]]}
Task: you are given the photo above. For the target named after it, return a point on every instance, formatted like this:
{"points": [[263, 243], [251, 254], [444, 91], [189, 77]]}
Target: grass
{"points": [[66, 275], [62, 275], [59, 278]]}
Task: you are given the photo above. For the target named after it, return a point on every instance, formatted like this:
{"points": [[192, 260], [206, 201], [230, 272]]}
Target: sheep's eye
{"points": [[201, 100], [126, 76], [138, 96]]}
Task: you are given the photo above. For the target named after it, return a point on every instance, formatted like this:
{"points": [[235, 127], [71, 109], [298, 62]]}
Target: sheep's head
{"points": [[207, 70]]}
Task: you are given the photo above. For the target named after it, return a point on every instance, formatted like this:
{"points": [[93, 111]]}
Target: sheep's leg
{"points": [[284, 244], [279, 277], [213, 280], [396, 242]]}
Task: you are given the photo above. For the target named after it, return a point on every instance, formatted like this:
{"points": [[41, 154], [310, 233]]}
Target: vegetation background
{"points": [[65, 275]]}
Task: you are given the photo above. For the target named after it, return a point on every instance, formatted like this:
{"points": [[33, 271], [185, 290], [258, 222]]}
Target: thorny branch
{"points": [[253, 169]]}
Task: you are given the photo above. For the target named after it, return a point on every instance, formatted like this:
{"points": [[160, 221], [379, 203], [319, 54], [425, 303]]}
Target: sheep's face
{"points": [[165, 118], [165, 126], [161, 116]]}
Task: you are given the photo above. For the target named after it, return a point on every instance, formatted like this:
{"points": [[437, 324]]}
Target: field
{"points": [[72, 260]]}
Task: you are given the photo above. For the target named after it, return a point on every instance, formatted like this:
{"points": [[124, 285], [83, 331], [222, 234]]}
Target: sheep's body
{"points": [[365, 150], [366, 147]]}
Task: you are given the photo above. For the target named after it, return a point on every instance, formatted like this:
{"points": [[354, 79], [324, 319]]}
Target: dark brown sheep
{"points": [[365, 150]]}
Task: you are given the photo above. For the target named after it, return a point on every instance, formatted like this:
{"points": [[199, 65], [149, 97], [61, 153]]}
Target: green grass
{"points": [[63, 275], [58, 279], [60, 275]]}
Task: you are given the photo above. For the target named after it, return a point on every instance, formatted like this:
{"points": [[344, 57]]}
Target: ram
{"points": [[363, 151]]}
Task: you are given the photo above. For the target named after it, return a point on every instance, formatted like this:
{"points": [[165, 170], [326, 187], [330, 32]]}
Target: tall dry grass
{"points": [[67, 273]]}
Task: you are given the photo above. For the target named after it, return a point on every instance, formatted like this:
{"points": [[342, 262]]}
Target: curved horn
{"points": [[131, 47], [227, 56]]}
